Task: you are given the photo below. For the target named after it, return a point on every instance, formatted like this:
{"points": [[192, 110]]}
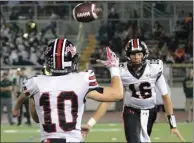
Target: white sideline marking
{"points": [[19, 131], [156, 138], [10, 131], [112, 125], [37, 131], [114, 139], [107, 130]]}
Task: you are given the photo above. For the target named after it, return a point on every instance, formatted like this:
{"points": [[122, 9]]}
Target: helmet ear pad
{"points": [[75, 62]]}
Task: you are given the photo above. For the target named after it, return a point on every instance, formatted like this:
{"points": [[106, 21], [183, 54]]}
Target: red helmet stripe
{"points": [[59, 54], [135, 43]]}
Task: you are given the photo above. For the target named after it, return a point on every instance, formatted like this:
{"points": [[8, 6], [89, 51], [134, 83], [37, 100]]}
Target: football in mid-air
{"points": [[86, 12]]}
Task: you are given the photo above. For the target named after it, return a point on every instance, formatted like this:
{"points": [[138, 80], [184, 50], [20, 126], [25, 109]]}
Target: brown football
{"points": [[86, 12]]}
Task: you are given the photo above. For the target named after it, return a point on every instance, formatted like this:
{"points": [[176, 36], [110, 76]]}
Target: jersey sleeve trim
{"points": [[159, 75], [25, 91], [92, 77], [93, 83], [92, 80], [30, 88]]}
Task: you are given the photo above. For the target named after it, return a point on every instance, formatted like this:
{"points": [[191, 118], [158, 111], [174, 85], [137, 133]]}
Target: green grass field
{"points": [[100, 133]]}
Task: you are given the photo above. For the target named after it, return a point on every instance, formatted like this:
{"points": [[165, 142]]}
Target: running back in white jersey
{"points": [[140, 91], [59, 102]]}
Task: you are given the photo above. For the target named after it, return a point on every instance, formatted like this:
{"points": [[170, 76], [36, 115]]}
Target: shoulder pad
{"points": [[154, 61], [31, 77], [160, 63], [121, 65], [89, 71]]}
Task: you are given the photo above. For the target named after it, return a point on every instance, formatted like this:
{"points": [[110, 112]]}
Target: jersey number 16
{"points": [[144, 89]]}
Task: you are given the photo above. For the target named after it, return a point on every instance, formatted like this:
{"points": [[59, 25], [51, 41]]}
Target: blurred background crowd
{"points": [[26, 27], [24, 45]]}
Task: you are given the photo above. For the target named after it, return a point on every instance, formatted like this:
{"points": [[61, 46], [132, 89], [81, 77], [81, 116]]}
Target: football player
{"points": [[139, 76], [59, 98]]}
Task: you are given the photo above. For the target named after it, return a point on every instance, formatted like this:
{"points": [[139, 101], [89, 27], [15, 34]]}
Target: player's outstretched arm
{"points": [[171, 118], [162, 86], [115, 91], [106, 94], [33, 110], [19, 101], [101, 110]]}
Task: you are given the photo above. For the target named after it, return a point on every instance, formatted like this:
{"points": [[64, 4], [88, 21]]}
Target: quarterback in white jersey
{"points": [[59, 98], [140, 77], [140, 89]]}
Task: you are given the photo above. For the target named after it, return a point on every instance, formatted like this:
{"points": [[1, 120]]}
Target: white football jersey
{"points": [[59, 102], [140, 90]]}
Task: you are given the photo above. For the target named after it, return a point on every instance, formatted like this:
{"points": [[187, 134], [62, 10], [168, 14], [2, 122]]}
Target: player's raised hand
{"points": [[174, 131], [85, 129], [112, 59]]}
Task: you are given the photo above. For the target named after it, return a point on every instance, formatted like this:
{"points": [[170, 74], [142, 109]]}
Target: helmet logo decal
{"points": [[48, 50], [71, 49]]}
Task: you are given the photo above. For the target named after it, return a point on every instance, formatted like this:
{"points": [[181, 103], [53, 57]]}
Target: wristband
{"points": [[91, 122], [114, 71], [172, 121]]}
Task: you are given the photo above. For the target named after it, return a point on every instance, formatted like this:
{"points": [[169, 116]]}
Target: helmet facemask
{"points": [[75, 63]]}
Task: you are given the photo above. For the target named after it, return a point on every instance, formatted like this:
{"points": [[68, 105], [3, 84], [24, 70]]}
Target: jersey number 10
{"points": [[64, 125]]}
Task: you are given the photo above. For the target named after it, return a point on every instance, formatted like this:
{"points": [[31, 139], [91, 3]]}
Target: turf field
{"points": [[100, 133]]}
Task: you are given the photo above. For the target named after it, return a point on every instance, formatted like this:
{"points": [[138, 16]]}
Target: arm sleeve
{"points": [[30, 88], [161, 85]]}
